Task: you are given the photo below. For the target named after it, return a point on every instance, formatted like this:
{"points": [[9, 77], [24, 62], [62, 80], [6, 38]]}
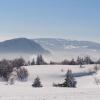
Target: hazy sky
{"points": [[70, 19]]}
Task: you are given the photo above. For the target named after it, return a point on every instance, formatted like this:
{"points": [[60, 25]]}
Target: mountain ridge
{"points": [[22, 45], [65, 42]]}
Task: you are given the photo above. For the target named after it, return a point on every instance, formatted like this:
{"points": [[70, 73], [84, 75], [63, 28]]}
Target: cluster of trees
{"points": [[7, 68], [20, 74], [39, 61], [78, 61]]}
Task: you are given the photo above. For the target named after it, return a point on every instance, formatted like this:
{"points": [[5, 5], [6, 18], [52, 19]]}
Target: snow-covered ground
{"points": [[86, 88]]}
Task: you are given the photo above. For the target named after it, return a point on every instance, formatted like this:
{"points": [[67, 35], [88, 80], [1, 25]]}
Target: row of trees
{"points": [[78, 61]]}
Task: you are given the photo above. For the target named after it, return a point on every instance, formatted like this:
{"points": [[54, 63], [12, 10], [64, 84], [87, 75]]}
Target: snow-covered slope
{"points": [[86, 86], [50, 74]]}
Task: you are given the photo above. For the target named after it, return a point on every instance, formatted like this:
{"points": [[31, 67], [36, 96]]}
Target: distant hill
{"points": [[21, 45], [63, 48], [63, 44]]}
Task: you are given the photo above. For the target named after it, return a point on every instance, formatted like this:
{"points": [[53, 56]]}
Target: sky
{"points": [[69, 19]]}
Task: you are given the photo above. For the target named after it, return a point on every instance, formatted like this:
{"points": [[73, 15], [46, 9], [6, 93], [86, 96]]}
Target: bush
{"points": [[22, 74], [37, 82]]}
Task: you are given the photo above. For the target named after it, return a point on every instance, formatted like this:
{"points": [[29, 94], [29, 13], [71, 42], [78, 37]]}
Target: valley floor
{"points": [[86, 86]]}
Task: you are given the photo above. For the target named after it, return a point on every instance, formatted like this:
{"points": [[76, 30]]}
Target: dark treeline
{"points": [[7, 66], [78, 61]]}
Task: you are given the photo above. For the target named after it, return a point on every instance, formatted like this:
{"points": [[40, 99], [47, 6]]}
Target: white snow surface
{"points": [[86, 87]]}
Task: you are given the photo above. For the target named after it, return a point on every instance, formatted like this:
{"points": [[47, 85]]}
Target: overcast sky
{"points": [[70, 19]]}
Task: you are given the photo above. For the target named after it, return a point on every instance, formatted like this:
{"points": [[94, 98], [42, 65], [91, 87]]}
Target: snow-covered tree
{"points": [[37, 82], [69, 80], [22, 74], [12, 76]]}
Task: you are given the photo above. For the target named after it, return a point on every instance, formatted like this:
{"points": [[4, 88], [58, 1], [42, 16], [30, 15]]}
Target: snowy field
{"points": [[86, 87]]}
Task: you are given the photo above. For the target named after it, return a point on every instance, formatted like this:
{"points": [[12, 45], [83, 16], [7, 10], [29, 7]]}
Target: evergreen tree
{"points": [[88, 60], [40, 60], [69, 80], [72, 62], [79, 61], [33, 62], [37, 82]]}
